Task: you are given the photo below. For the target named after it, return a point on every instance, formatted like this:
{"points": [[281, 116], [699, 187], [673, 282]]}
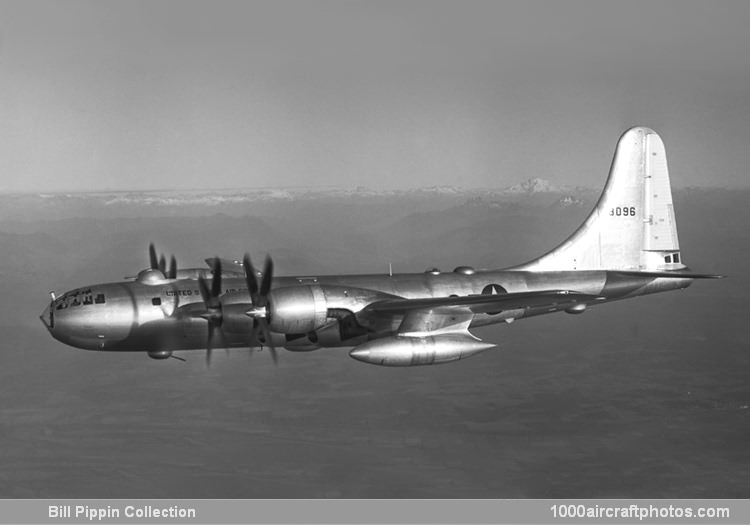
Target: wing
{"points": [[438, 315], [227, 265], [484, 303], [435, 321]]}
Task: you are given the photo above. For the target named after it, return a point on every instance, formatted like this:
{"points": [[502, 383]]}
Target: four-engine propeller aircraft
{"points": [[627, 247]]}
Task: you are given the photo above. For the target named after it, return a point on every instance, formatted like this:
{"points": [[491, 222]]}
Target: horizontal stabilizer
{"points": [[672, 275]]}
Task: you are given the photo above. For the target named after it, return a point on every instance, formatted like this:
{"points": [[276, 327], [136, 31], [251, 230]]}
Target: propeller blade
{"points": [[265, 285], [215, 332], [250, 279], [213, 313], [152, 257], [259, 298], [266, 334], [216, 283], [274, 355], [209, 343], [223, 340], [205, 294], [160, 263], [172, 268]]}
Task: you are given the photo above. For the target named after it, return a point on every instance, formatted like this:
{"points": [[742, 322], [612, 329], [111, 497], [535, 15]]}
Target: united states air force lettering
{"points": [[173, 293]]}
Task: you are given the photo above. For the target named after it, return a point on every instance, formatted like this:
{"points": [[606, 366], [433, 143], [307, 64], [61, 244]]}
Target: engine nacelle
{"points": [[160, 354], [297, 309], [413, 351]]}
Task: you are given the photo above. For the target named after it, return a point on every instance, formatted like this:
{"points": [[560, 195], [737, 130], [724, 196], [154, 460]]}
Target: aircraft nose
{"points": [[48, 318]]}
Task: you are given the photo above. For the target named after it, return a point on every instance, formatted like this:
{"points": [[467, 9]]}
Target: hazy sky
{"points": [[147, 95]]}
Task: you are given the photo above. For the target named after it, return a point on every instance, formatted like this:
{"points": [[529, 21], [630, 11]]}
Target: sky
{"points": [[134, 95]]}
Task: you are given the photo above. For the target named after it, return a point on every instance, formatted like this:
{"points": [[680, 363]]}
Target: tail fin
{"points": [[632, 226]]}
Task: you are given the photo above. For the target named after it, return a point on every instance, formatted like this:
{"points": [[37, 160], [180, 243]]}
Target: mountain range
{"points": [[25, 207]]}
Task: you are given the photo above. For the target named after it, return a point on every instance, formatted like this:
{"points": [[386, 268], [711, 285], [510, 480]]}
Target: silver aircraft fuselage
{"points": [[627, 247], [146, 316]]}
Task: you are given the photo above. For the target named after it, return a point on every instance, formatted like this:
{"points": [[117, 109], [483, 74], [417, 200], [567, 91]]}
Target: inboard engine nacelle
{"points": [[412, 351], [296, 309], [302, 309]]}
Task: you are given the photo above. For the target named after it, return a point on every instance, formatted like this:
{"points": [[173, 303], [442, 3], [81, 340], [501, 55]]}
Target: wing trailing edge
{"points": [[484, 303]]}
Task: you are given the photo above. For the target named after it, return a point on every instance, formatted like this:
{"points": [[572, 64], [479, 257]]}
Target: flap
{"points": [[435, 321], [484, 303]]}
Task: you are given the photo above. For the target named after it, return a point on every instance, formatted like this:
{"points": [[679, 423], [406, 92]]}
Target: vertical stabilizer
{"points": [[632, 226]]}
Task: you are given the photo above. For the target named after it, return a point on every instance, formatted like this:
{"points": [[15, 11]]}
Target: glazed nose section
{"points": [[48, 317]]}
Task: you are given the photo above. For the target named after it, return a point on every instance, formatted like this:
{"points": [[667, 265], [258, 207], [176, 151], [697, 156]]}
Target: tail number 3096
{"points": [[623, 211]]}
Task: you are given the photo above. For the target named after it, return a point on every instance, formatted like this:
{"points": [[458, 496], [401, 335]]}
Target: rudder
{"points": [[632, 226]]}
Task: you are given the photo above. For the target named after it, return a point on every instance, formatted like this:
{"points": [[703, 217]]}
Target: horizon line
{"points": [[248, 189]]}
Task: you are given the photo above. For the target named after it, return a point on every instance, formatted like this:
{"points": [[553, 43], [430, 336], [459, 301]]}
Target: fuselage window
{"points": [[676, 257], [156, 301], [99, 298], [668, 259]]}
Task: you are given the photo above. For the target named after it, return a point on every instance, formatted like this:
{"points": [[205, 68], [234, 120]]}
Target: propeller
{"points": [[152, 257], [160, 263], [259, 297], [172, 268], [213, 312]]}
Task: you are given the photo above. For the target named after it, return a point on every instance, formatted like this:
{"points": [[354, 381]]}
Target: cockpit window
{"points": [[78, 298]]}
